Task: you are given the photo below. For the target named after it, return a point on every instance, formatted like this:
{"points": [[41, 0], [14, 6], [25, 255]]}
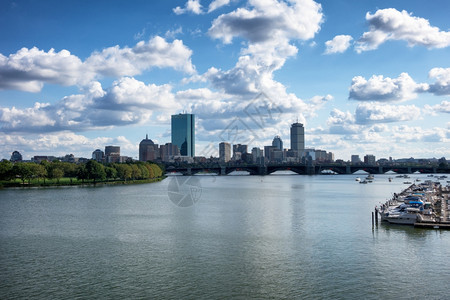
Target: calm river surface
{"points": [[278, 236]]}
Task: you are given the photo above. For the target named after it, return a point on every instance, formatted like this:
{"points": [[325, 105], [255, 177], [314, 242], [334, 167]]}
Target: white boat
{"points": [[408, 217], [364, 181], [358, 179], [370, 177]]}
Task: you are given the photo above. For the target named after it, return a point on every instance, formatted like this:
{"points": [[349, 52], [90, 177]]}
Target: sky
{"points": [[364, 77]]}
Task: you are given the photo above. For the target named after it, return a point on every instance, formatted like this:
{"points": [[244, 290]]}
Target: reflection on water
{"points": [[277, 236]]}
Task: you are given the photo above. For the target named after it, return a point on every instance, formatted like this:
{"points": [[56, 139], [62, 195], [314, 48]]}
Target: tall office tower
{"points": [[298, 138], [148, 150], [224, 152], [112, 154], [240, 148], [369, 159], [168, 151], [277, 142], [183, 133], [355, 159]]}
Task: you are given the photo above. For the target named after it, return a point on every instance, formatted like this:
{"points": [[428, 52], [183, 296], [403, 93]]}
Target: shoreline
{"points": [[12, 185]]}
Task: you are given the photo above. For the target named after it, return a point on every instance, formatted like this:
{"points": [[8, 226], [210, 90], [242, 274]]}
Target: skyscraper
{"points": [[183, 133], [224, 152], [277, 142], [112, 154], [148, 150], [298, 138]]}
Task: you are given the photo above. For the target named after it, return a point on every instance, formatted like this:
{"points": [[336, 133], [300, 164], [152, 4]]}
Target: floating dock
{"points": [[436, 216]]}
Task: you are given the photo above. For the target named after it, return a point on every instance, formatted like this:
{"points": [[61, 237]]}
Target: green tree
{"points": [[151, 173], [95, 170], [111, 173], [135, 171], [82, 173], [57, 173], [144, 171], [5, 169], [38, 171], [23, 171], [123, 171]]}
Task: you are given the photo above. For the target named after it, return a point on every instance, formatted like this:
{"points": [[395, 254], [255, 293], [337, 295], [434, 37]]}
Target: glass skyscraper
{"points": [[183, 133], [298, 138]]}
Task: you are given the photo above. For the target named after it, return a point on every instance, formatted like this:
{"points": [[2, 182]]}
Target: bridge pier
{"points": [[223, 170], [189, 171], [262, 170], [409, 170], [380, 170], [348, 170]]}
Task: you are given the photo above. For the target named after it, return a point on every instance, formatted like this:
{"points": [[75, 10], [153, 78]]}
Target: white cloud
{"points": [[442, 85], [127, 92], [157, 52], [28, 69], [268, 20], [372, 112], [339, 44], [444, 107], [379, 88], [215, 4], [127, 102], [417, 134], [391, 24], [341, 122], [192, 6]]}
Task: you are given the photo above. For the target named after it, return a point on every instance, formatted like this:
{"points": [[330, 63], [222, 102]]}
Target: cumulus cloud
{"points": [[391, 24], [215, 4], [339, 44], [442, 84], [268, 20], [443, 107], [372, 112], [192, 6], [157, 52], [268, 26], [341, 122], [406, 133], [379, 88], [127, 102], [28, 69]]}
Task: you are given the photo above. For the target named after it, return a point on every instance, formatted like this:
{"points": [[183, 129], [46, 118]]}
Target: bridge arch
{"points": [[300, 171]]}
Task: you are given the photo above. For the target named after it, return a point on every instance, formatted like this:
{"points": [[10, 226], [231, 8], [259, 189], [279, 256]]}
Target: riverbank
{"points": [[73, 182]]}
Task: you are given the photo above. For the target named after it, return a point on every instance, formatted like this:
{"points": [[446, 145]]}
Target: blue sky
{"points": [[365, 77]]}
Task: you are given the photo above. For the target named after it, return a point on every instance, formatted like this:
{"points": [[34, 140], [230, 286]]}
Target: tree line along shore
{"points": [[64, 173]]}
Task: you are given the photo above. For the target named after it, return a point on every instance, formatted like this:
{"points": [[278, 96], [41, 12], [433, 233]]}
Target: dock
{"points": [[435, 214]]}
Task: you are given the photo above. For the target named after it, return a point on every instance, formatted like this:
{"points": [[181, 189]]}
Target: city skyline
{"points": [[364, 78]]}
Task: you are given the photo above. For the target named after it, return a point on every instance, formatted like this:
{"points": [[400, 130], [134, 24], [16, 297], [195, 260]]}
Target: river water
{"points": [[277, 236]]}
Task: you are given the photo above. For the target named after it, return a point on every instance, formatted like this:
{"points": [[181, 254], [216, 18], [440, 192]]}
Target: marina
{"points": [[423, 205]]}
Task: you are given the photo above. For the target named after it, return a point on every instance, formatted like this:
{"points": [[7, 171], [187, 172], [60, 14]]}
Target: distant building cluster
{"points": [[182, 149], [276, 153]]}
